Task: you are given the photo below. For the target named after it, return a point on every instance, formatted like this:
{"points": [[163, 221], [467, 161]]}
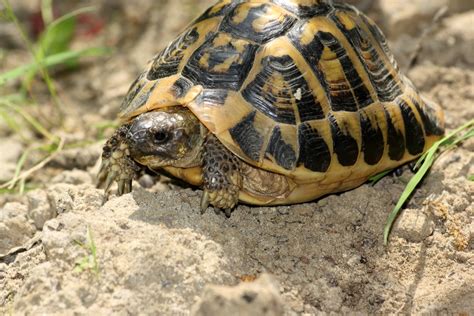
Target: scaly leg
{"points": [[222, 176]]}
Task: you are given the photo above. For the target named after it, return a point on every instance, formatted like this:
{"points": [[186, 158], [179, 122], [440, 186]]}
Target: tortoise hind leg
{"points": [[222, 176]]}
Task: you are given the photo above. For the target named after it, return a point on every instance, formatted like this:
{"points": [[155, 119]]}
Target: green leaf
{"points": [[58, 35], [51, 61]]}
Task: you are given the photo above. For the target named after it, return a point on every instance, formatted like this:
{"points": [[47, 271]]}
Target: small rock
{"points": [[59, 234], [7, 171], [15, 228], [414, 226], [354, 260], [78, 158], [75, 176], [256, 298], [146, 181], [11, 151], [54, 225], [321, 293], [39, 209], [60, 199]]}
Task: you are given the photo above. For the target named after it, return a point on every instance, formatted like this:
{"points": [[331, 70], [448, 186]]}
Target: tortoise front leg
{"points": [[222, 176], [117, 164]]}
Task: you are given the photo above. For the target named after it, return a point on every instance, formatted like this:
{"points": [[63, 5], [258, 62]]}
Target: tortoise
{"points": [[271, 102]]}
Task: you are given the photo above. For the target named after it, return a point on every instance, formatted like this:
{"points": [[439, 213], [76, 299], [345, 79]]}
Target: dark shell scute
{"points": [[167, 62], [214, 97], [414, 137], [345, 101], [395, 139], [212, 12], [428, 117], [314, 152], [345, 146], [222, 62], [134, 89], [304, 11], [372, 140], [261, 24], [181, 87], [280, 88], [283, 153], [311, 52], [382, 80], [247, 137]]}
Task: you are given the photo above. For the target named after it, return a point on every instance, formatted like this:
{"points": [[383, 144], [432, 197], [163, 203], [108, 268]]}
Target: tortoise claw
{"points": [[124, 186], [120, 187], [110, 179], [204, 201], [102, 175], [128, 186]]}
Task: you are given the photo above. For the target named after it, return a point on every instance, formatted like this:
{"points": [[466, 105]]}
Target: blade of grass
{"points": [[374, 179], [47, 11], [93, 249], [26, 174], [71, 14], [89, 261], [19, 165], [22, 186], [13, 124], [32, 121], [428, 159], [51, 61]]}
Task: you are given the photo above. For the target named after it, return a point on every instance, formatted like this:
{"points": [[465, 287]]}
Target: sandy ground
{"points": [[154, 253]]}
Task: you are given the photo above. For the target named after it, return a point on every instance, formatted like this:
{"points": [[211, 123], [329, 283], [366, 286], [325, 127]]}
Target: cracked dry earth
{"points": [[156, 254]]}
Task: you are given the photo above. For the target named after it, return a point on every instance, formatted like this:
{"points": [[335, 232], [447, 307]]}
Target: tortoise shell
{"points": [[302, 88]]}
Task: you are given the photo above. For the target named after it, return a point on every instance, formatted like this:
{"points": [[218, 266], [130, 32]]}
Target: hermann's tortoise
{"points": [[271, 102]]}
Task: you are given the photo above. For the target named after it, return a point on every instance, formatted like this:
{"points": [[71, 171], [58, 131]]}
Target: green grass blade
{"points": [[428, 159], [47, 11], [31, 120], [374, 179], [73, 14], [51, 61], [93, 248], [19, 166], [12, 123]]}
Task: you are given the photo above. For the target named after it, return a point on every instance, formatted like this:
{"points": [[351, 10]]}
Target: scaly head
{"points": [[171, 137]]}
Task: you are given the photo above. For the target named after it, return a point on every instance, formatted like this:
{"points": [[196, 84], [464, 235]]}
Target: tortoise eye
{"points": [[161, 137]]}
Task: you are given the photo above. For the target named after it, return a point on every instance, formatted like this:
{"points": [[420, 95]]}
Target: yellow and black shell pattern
{"points": [[303, 88]]}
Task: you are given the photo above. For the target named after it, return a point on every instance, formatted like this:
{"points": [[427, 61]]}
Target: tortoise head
{"points": [[168, 137]]}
